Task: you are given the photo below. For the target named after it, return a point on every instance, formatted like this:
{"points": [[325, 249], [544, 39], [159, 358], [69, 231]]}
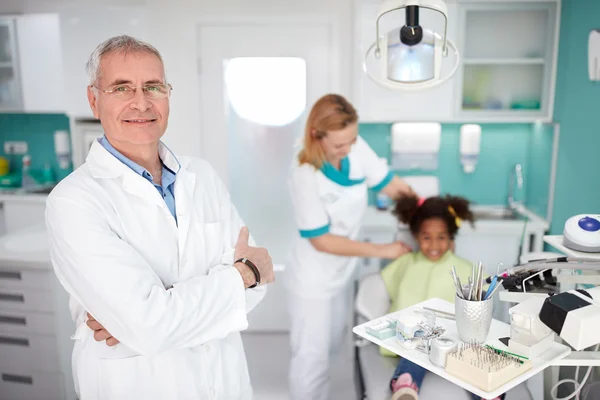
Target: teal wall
{"points": [[502, 146], [38, 131], [577, 109]]}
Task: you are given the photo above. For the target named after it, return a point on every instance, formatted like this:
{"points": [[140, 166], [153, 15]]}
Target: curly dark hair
{"points": [[409, 211]]}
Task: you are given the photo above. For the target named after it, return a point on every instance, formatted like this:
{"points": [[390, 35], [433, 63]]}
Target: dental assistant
{"points": [[329, 189]]}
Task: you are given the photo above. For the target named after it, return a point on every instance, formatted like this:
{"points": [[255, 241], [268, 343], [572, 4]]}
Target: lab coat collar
{"points": [[102, 164], [168, 158]]}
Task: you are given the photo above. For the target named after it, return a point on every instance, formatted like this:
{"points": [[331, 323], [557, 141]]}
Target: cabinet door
{"points": [[19, 215], [40, 58], [378, 104], [509, 61], [10, 81]]}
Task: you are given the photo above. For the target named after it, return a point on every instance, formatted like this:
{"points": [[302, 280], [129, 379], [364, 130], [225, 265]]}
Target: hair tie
{"points": [[456, 218], [421, 201]]}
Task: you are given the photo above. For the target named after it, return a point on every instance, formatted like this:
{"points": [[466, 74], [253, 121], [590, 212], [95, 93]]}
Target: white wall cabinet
{"points": [[40, 56], [43, 56], [507, 72], [10, 81], [509, 54], [31, 74]]}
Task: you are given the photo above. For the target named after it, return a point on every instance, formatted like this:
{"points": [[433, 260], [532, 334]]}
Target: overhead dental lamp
{"points": [[410, 57]]}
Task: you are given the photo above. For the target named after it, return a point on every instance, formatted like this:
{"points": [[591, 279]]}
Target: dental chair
{"points": [[374, 371]]}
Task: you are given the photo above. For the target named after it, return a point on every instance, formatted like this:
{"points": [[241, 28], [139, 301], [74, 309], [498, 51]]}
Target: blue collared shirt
{"points": [[166, 190]]}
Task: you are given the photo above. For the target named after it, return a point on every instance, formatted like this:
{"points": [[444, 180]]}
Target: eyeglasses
{"points": [[126, 92]]}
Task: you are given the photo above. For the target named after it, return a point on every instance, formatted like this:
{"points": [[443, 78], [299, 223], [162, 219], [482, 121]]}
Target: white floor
{"points": [[269, 370]]}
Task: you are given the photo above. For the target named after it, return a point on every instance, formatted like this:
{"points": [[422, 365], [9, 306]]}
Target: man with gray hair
{"points": [[153, 254]]}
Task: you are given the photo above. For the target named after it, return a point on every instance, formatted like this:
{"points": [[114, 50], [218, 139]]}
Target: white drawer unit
{"points": [[18, 278], [26, 300], [31, 386], [35, 321], [24, 322], [29, 352]]}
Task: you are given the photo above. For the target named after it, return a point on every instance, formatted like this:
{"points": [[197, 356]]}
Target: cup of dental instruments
{"points": [[473, 318]]}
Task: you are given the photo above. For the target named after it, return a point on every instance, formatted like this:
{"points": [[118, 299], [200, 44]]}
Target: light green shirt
{"points": [[413, 278]]}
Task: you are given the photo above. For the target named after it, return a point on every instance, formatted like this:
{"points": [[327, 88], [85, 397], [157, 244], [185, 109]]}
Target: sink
{"points": [[495, 213]]}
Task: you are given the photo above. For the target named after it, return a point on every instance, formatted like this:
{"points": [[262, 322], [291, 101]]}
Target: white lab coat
{"points": [[167, 291]]}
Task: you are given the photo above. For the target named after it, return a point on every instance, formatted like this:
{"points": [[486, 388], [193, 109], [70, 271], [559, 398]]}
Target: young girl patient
{"points": [[424, 274]]}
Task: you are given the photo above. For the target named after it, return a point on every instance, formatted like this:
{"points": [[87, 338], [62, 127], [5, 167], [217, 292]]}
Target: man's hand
{"points": [[100, 333], [259, 257]]}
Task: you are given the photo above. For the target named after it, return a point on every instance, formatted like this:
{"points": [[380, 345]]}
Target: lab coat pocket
{"points": [[138, 377]]}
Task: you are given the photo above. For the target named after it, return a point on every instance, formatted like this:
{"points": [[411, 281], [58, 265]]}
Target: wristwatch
{"points": [[251, 265]]}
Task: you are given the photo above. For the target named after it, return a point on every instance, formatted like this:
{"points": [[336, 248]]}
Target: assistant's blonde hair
{"points": [[331, 112]]}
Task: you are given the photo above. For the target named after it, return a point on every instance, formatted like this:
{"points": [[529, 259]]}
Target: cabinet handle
{"points": [[18, 298], [14, 341], [4, 319], [10, 275], [27, 380]]}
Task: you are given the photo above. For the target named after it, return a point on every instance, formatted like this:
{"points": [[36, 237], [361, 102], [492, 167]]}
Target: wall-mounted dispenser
{"points": [[594, 55], [470, 146], [416, 145], [62, 148]]}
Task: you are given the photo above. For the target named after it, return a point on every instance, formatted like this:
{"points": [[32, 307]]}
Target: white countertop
{"points": [[35, 198], [22, 195], [378, 220], [27, 248]]}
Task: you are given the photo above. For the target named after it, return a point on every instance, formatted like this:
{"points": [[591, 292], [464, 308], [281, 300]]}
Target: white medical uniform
{"points": [[167, 291], [325, 201]]}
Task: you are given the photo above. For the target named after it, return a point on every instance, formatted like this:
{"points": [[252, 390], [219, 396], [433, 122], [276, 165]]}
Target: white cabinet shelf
{"points": [[509, 65]]}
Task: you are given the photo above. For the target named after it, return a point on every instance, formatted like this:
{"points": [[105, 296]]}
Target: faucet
{"points": [[515, 173]]}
